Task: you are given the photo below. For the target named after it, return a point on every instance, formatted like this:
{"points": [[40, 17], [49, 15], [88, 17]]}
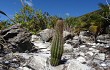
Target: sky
{"points": [[61, 8]]}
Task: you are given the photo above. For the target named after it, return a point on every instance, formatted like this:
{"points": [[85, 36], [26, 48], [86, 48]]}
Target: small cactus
{"points": [[57, 44]]}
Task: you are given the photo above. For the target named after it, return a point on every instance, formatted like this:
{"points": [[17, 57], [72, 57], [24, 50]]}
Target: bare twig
{"points": [[22, 3]]}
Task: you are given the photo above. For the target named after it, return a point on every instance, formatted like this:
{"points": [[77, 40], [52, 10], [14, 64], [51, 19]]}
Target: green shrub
{"points": [[93, 29]]}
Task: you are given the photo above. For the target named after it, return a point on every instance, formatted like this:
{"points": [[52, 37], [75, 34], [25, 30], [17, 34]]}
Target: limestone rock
{"points": [[46, 34], [76, 65], [17, 39], [68, 47], [100, 56], [37, 63]]}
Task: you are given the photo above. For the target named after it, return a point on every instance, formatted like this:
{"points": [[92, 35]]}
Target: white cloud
{"points": [[67, 14], [28, 2]]}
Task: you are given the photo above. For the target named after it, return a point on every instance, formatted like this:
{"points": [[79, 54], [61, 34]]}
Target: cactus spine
{"points": [[57, 44]]}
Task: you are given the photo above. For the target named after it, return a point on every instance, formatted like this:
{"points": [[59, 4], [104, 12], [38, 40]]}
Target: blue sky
{"points": [[62, 8]]}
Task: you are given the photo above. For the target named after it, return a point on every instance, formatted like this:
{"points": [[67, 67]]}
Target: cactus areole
{"points": [[57, 44]]}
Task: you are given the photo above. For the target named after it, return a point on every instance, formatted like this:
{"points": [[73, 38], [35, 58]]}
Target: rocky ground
{"points": [[19, 50]]}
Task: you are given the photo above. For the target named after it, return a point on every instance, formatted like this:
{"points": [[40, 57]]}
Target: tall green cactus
{"points": [[57, 44]]}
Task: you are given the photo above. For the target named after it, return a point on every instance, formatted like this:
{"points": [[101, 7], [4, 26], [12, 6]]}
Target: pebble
{"points": [[100, 56], [81, 59], [93, 46], [82, 46], [107, 46], [103, 64], [14, 59], [7, 62], [94, 50], [90, 53], [81, 53]]}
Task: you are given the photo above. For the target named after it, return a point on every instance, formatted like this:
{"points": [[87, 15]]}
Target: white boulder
{"points": [[76, 65], [46, 34]]}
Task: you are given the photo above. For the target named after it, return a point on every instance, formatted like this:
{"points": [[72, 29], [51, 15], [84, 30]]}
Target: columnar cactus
{"points": [[57, 44]]}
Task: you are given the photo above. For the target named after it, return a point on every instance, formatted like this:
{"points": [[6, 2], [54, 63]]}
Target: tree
{"points": [[105, 11], [105, 15], [31, 19]]}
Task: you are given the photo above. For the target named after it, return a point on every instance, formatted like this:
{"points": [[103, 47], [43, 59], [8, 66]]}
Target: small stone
{"points": [[14, 65], [97, 44], [103, 64], [67, 47], [7, 62], [100, 56], [34, 38], [90, 49], [102, 45], [89, 43], [94, 50], [41, 45], [98, 40], [20, 68], [93, 46], [76, 37], [43, 50], [108, 62], [81, 59], [81, 53], [25, 68], [14, 60], [107, 46], [82, 46], [90, 53]]}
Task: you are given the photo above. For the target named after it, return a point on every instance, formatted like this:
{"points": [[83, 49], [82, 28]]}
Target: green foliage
{"points": [[25, 15], [33, 20], [74, 24], [74, 21], [52, 21], [105, 15], [105, 11], [70, 21], [100, 18], [36, 20], [4, 24], [93, 29], [57, 44]]}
